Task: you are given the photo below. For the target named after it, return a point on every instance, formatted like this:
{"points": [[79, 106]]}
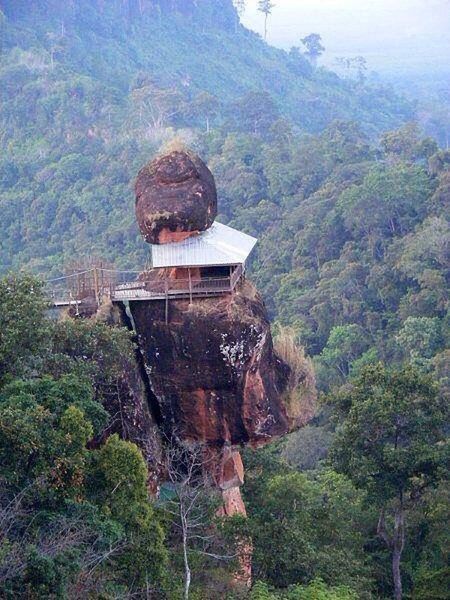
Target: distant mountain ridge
{"points": [[193, 45], [222, 11]]}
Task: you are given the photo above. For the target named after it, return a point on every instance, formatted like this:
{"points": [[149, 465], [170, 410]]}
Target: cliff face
{"points": [[212, 368]]}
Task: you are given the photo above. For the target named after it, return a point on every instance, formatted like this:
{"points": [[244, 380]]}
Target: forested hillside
{"points": [[350, 202], [354, 242], [91, 90]]}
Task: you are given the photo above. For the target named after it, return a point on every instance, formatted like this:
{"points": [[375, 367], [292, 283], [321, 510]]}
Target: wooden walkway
{"points": [[70, 292]]}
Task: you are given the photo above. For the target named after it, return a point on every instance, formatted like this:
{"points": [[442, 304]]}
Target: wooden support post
{"points": [[96, 286], [190, 286], [166, 289]]}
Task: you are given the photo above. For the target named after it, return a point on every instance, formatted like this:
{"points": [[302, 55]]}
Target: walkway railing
{"points": [[93, 285]]}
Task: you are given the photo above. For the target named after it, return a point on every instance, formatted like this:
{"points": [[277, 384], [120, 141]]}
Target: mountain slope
{"points": [[195, 46], [91, 90]]}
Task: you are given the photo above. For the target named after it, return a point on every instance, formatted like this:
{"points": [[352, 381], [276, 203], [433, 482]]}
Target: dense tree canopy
{"points": [[350, 204]]}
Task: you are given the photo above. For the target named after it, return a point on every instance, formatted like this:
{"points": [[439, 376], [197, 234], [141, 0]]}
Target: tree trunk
{"points": [[265, 27], [398, 543], [395, 543], [187, 570], [396, 556], [187, 574]]}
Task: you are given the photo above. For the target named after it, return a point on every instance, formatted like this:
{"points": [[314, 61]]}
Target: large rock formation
{"points": [[212, 368], [213, 374], [175, 197]]}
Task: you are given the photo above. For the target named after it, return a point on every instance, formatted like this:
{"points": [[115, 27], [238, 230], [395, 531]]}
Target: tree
{"points": [[49, 554], [203, 108], [306, 447], [313, 45], [345, 344], [44, 428], [155, 107], [387, 203], [391, 444], [118, 483], [304, 520], [420, 339], [355, 64], [49, 535], [406, 143], [265, 6], [23, 326], [256, 112], [189, 501]]}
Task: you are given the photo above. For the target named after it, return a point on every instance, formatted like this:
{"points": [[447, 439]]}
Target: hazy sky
{"points": [[392, 34]]}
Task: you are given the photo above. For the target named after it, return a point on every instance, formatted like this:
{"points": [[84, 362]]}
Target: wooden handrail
{"points": [[164, 287]]}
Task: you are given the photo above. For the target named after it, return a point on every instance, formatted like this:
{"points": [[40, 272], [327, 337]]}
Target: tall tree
{"points": [[265, 6], [391, 444], [203, 109], [190, 506], [304, 520], [313, 45]]}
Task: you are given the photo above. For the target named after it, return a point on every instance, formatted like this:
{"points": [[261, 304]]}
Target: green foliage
{"points": [[23, 327], [94, 351], [313, 45], [260, 591], [317, 590], [433, 585], [387, 203], [44, 432], [305, 520], [420, 339], [119, 486], [306, 447], [392, 439], [75, 519], [122, 469], [346, 343], [43, 439], [406, 143]]}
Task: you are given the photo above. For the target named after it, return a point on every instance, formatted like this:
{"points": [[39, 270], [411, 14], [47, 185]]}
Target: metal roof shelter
{"points": [[219, 245], [221, 249]]}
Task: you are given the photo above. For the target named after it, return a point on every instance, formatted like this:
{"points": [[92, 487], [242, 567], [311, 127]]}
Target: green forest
{"points": [[349, 198]]}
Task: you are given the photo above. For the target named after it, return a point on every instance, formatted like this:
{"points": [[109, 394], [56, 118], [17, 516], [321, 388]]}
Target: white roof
{"points": [[218, 245]]}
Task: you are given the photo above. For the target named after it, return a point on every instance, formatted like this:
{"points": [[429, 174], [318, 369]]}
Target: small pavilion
{"points": [[206, 264]]}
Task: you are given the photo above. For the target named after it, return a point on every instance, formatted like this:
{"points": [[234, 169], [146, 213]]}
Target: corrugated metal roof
{"points": [[218, 245]]}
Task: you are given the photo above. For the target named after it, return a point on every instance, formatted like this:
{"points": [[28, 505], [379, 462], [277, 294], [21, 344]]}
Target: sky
{"points": [[393, 35]]}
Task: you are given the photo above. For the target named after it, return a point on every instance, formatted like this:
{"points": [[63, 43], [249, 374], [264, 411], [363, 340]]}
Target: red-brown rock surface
{"points": [[213, 370], [175, 197]]}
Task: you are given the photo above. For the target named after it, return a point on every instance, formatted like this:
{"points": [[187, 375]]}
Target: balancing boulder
{"points": [[176, 197]]}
